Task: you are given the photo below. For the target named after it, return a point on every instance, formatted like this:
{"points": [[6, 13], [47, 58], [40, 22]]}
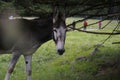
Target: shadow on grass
{"points": [[107, 64]]}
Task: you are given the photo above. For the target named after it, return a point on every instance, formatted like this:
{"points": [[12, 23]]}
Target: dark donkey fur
{"points": [[38, 29], [27, 39]]}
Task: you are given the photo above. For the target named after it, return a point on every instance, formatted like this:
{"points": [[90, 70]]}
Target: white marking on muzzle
{"points": [[60, 45]]}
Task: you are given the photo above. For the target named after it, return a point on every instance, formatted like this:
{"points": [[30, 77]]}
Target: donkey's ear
{"points": [[55, 14], [54, 20], [55, 9], [63, 15]]}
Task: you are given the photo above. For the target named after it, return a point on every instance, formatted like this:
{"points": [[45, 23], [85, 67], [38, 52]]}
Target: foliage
{"points": [[73, 7]]}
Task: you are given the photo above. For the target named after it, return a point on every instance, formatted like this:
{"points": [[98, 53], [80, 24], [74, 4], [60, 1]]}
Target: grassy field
{"points": [[47, 65]]}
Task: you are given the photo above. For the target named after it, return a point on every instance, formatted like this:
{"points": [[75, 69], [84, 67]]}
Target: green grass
{"points": [[47, 65]]}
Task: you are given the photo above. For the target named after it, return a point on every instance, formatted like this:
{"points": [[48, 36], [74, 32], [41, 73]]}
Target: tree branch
{"points": [[101, 33]]}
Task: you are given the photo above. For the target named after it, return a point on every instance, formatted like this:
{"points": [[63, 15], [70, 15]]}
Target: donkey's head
{"points": [[59, 30]]}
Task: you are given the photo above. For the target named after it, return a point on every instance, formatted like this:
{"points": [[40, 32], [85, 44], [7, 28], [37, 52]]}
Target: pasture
{"points": [[47, 65]]}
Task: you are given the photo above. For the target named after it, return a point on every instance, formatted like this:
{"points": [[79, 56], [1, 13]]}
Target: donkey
{"points": [[29, 36]]}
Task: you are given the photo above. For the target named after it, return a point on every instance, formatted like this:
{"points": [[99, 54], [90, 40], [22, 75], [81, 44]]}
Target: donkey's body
{"points": [[25, 41], [31, 35]]}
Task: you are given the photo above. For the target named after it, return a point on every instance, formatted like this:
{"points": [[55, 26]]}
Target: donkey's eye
{"points": [[54, 30], [66, 30]]}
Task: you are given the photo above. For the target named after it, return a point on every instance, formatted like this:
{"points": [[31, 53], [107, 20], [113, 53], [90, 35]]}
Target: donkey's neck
{"points": [[41, 29]]}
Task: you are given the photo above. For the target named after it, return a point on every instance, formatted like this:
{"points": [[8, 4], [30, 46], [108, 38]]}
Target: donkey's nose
{"points": [[60, 51]]}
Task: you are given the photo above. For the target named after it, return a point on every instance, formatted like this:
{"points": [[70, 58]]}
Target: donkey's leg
{"points": [[15, 57], [28, 60]]}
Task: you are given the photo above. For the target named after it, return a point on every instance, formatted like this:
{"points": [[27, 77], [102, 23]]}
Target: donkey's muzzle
{"points": [[61, 51]]}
